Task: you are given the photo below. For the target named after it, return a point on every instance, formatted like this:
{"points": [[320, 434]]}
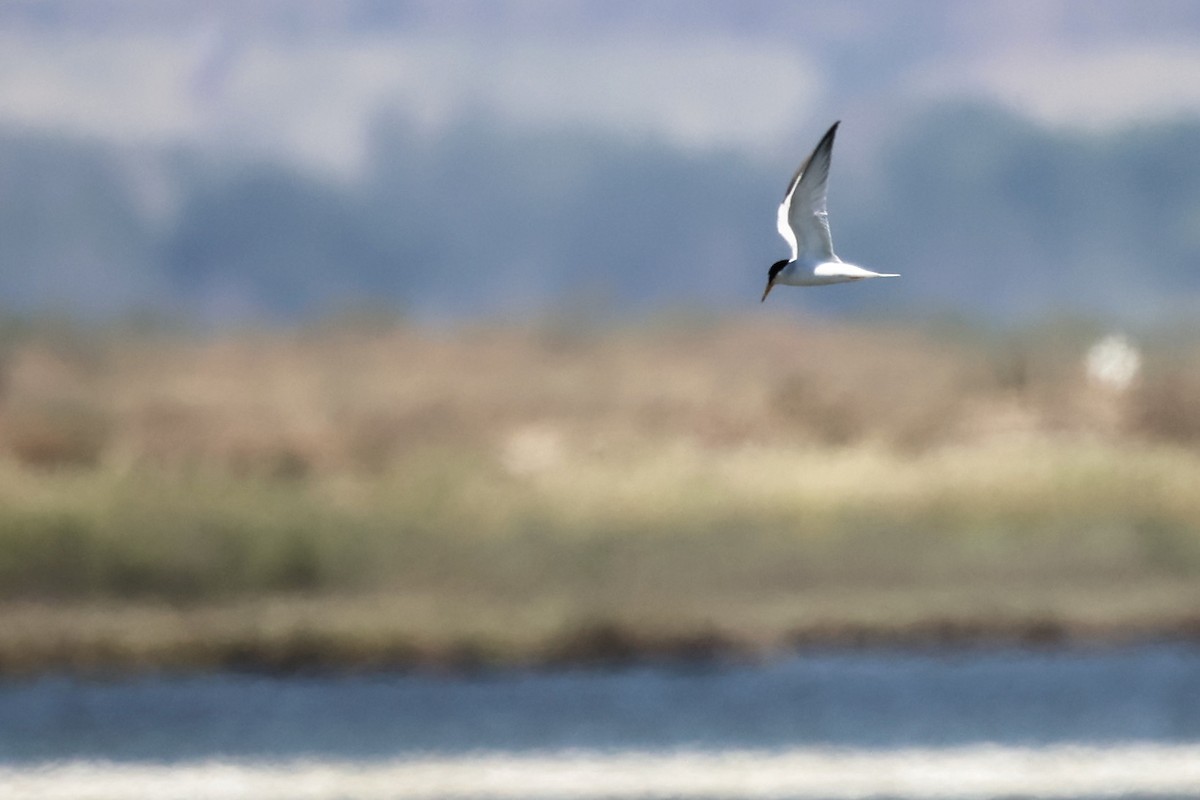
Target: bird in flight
{"points": [[804, 224]]}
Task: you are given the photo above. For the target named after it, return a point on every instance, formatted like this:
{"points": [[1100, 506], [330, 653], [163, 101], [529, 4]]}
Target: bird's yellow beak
{"points": [[767, 291]]}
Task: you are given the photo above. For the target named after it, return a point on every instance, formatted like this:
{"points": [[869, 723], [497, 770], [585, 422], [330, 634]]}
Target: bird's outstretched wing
{"points": [[803, 221]]}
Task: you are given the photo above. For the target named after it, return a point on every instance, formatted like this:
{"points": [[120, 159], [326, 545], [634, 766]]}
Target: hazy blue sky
{"points": [[453, 158], [305, 77]]}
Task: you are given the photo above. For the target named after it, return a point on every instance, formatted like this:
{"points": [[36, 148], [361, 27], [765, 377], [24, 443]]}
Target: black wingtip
{"points": [[827, 140]]}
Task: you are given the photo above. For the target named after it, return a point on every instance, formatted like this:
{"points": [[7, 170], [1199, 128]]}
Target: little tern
{"points": [[804, 224]]}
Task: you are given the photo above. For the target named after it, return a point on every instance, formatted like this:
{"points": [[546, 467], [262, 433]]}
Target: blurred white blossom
{"points": [[1113, 362], [532, 449]]}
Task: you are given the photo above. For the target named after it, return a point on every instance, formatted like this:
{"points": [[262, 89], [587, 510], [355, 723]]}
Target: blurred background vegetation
{"points": [[357, 490], [360, 333]]}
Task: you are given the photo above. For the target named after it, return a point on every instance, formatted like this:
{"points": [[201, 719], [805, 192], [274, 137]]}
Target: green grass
{"points": [[451, 557], [743, 519]]}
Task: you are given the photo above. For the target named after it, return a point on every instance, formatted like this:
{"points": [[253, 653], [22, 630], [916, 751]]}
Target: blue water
{"points": [[856, 699]]}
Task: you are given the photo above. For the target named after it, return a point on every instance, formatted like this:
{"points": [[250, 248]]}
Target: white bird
{"points": [[804, 224]]}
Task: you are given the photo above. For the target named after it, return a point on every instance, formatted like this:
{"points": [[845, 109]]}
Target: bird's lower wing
{"points": [[785, 228]]}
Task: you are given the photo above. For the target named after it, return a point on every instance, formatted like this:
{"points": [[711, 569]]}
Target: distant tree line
{"points": [[982, 211]]}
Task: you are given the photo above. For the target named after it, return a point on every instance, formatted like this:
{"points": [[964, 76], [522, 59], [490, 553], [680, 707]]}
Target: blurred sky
{"points": [[306, 83], [308, 75]]}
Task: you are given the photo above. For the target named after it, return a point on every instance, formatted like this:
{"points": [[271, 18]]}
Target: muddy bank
{"points": [[600, 645]]}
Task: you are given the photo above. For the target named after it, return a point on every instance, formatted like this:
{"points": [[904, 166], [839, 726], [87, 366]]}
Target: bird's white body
{"points": [[803, 223], [819, 272]]}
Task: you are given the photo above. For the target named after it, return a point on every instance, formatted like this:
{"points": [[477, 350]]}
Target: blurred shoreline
{"points": [[378, 496], [208, 640]]}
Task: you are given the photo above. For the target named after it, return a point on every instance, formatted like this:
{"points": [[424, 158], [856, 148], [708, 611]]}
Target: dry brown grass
{"points": [[346, 400]]}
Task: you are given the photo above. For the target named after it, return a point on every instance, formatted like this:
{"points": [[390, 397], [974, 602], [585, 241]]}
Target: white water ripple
{"points": [[959, 772]]}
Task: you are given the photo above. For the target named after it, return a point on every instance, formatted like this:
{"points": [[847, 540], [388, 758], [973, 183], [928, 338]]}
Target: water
{"points": [[1064, 720]]}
